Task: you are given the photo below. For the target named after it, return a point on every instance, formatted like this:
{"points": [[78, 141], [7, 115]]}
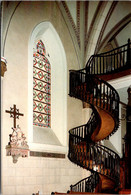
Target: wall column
{"points": [[3, 70]]}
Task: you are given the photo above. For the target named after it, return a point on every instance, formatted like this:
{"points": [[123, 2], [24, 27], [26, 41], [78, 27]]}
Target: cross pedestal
{"points": [[17, 145]]}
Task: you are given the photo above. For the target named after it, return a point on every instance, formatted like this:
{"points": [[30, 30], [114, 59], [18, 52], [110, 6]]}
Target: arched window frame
{"points": [[46, 32]]}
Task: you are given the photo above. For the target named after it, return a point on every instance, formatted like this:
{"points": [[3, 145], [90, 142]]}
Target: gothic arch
{"points": [[56, 55]]}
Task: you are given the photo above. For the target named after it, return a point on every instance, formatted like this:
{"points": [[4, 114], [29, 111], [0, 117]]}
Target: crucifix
{"points": [[14, 113]]}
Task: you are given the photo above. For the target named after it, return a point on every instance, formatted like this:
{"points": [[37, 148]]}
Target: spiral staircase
{"points": [[84, 141], [85, 150]]}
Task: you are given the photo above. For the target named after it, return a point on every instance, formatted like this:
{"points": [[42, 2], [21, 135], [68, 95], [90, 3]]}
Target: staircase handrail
{"points": [[82, 149], [84, 183], [118, 58], [115, 49], [79, 78], [82, 180], [108, 150], [96, 156], [93, 76], [85, 134]]}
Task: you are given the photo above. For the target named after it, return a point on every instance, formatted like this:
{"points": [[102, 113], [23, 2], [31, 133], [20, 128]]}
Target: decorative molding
{"points": [[101, 3], [72, 21], [46, 154], [72, 28], [3, 66], [86, 22], [78, 23]]}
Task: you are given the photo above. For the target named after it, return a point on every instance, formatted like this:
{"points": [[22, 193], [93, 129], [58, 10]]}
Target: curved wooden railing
{"points": [[86, 85], [95, 91], [85, 185], [110, 62]]}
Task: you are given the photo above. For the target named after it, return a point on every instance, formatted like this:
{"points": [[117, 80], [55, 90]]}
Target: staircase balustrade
{"points": [[87, 184], [88, 87], [95, 91], [110, 62]]}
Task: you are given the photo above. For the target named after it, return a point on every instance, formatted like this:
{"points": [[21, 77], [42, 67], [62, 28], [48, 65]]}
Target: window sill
{"points": [[48, 148]]}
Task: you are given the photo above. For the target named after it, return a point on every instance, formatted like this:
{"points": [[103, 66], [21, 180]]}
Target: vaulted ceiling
{"points": [[94, 26], [97, 25]]}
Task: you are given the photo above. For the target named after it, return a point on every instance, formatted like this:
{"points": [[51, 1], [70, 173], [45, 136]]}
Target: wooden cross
{"points": [[14, 113]]}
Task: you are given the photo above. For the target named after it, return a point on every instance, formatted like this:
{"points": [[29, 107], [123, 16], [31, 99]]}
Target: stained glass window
{"points": [[41, 87]]}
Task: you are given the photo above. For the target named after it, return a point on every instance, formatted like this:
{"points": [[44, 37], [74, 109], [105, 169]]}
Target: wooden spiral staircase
{"points": [[84, 147]]}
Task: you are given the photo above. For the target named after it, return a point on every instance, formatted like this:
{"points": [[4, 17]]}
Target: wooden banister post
{"points": [[128, 54]]}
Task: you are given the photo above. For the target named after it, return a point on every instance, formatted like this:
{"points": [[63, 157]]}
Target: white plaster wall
{"points": [[32, 174], [35, 174], [5, 20], [86, 114]]}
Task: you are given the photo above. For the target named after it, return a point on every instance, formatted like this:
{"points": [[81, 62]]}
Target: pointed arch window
{"points": [[47, 90], [41, 87]]}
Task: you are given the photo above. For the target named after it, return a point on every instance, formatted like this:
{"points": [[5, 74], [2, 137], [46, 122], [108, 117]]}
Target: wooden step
{"points": [[107, 183], [125, 191]]}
